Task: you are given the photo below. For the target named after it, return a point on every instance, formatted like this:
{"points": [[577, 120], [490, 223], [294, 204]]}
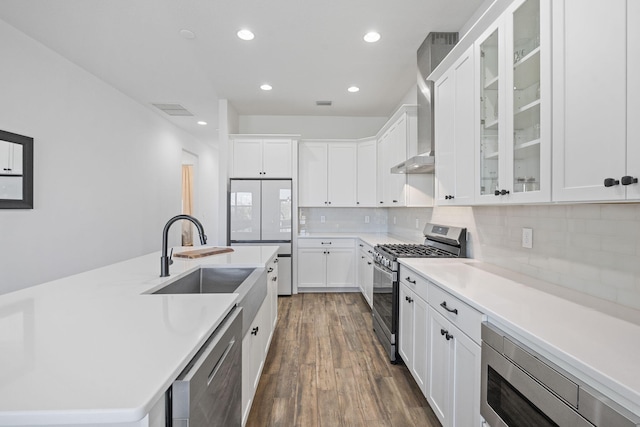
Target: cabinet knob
{"points": [[361, 245], [381, 202], [357, 203], [362, 257], [610, 182], [627, 180]]}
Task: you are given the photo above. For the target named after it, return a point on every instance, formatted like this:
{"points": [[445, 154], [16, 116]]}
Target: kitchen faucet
{"points": [[165, 260]]}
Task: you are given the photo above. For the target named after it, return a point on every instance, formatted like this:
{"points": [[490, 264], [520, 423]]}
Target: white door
{"points": [[244, 205], [633, 96], [464, 131], [444, 141], [589, 92], [340, 267], [312, 174], [276, 210], [276, 159], [366, 192], [439, 382], [312, 268], [466, 381], [420, 341], [405, 326], [341, 174], [247, 158]]}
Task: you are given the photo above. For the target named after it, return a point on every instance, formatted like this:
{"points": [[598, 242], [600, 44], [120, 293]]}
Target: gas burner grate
{"points": [[414, 251]]}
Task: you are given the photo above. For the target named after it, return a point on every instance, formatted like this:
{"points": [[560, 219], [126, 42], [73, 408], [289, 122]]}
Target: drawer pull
{"points": [[270, 270], [408, 279], [446, 334], [450, 310], [254, 331], [368, 262], [325, 243]]}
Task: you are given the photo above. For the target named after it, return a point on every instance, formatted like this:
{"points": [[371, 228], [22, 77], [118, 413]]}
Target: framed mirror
{"points": [[16, 171]]}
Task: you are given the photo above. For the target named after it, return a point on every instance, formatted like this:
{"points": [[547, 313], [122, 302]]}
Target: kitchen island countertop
{"points": [[96, 347]]}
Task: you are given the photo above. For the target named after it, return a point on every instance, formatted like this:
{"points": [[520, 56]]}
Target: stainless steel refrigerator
{"points": [[260, 212]]}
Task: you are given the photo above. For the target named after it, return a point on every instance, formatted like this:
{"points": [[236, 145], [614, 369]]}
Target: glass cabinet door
{"points": [[489, 118], [526, 97]]}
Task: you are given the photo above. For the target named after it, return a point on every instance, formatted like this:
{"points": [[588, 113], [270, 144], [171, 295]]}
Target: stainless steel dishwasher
{"points": [[209, 390]]}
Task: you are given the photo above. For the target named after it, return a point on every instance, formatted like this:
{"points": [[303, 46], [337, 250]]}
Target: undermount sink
{"points": [[208, 281], [249, 283]]}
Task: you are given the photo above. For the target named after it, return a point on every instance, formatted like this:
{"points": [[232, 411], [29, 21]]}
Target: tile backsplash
{"points": [[591, 248]]}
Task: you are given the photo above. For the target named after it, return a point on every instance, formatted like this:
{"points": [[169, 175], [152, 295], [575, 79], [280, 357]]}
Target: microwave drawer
{"points": [[461, 314]]}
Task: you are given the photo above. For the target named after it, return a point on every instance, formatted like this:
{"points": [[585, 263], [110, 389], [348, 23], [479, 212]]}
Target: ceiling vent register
{"points": [[173, 109]]}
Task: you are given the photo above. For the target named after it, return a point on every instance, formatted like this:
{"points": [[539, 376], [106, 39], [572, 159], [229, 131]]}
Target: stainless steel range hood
{"points": [[430, 53], [424, 163]]}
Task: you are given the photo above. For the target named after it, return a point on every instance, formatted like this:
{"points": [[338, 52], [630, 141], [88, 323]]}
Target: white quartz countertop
{"points": [[596, 341], [369, 238], [97, 348]]}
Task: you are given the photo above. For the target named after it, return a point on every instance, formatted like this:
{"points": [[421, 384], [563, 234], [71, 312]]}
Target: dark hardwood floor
{"points": [[325, 367]]}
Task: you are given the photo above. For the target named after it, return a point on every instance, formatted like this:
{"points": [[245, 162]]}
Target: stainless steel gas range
{"points": [[440, 242]]}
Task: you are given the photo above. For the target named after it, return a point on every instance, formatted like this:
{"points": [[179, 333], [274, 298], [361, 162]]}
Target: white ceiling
{"points": [[308, 50]]}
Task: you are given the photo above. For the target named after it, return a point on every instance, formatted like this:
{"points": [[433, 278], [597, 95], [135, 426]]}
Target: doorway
{"points": [[189, 194]]}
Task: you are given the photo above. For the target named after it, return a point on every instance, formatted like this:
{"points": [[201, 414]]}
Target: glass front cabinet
{"points": [[514, 89]]}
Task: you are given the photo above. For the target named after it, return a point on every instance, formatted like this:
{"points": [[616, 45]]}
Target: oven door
{"points": [[385, 296], [512, 398]]}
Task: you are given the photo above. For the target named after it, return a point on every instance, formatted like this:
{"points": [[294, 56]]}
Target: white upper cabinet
{"points": [[10, 158], [596, 134], [366, 179], [392, 149], [514, 140], [327, 173], [455, 132], [267, 157]]}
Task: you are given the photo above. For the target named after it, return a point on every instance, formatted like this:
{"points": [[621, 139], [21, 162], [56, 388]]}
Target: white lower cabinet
{"points": [[454, 374], [256, 342], [326, 263], [439, 341], [413, 344], [365, 272]]}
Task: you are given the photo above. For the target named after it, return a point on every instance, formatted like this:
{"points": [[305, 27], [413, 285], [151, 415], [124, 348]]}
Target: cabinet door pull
{"points": [[368, 262], [610, 182], [381, 202], [270, 270], [275, 261], [362, 257], [627, 180], [274, 279], [361, 245], [496, 193], [450, 310], [448, 336], [408, 279], [410, 300], [254, 331], [406, 298], [395, 201], [325, 243]]}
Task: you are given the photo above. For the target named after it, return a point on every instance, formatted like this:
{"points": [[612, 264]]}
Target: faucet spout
{"points": [[165, 259]]}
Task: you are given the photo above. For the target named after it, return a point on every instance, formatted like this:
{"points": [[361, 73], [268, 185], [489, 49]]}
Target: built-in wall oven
{"points": [[520, 388], [440, 241]]}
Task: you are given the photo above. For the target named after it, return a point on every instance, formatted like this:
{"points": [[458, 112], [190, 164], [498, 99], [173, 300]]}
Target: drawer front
{"points": [[414, 281], [326, 243], [365, 247], [465, 317]]}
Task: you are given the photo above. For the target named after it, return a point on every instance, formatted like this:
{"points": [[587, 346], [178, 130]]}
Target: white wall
{"points": [[313, 127], [107, 169]]}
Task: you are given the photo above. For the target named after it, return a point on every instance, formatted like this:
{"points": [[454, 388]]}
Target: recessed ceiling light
{"points": [[353, 89], [371, 37], [189, 35], [266, 87], [245, 35], [202, 123]]}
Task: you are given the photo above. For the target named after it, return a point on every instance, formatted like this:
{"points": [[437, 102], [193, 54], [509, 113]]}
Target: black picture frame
{"points": [[27, 171]]}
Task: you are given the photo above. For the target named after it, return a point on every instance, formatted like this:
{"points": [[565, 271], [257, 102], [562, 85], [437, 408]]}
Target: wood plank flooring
{"points": [[325, 367]]}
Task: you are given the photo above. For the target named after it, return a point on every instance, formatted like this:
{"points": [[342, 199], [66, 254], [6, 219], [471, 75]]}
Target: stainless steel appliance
{"points": [[522, 388], [209, 390], [440, 241], [430, 53], [260, 212]]}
